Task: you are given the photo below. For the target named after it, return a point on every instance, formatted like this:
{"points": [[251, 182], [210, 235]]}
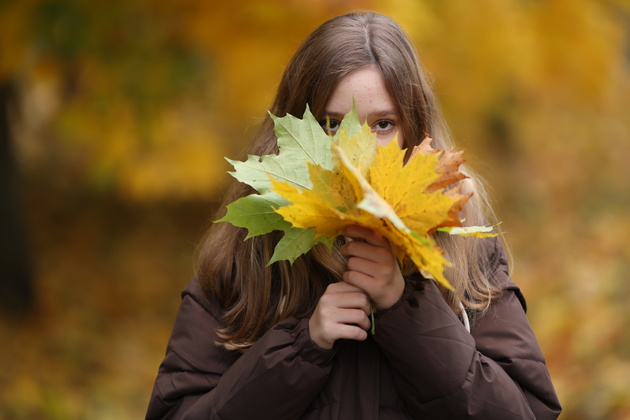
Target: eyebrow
{"points": [[379, 113]]}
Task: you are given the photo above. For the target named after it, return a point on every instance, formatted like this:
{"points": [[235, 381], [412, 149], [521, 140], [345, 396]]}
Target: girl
{"points": [[291, 341]]}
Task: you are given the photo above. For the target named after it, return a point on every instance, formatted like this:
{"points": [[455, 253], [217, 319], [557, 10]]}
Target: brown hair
{"points": [[233, 270]]}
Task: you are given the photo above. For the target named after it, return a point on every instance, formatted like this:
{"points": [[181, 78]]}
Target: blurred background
{"points": [[115, 118]]}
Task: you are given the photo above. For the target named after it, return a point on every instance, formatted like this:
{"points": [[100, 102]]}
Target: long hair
{"points": [[233, 270]]}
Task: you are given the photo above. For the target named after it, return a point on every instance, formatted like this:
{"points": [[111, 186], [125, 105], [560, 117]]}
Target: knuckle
{"points": [[359, 334], [324, 298], [360, 316], [350, 276], [351, 247], [331, 287], [384, 254]]}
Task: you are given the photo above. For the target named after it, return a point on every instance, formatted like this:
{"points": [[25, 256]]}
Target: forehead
{"points": [[367, 86]]}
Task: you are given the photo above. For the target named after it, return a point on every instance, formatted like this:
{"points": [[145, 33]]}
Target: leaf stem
{"points": [[373, 310]]}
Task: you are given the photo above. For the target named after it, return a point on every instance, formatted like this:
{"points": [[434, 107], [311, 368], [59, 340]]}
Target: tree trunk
{"points": [[16, 291]]}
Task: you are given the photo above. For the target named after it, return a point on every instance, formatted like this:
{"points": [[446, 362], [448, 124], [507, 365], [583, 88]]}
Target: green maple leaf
{"points": [[300, 142], [255, 213]]}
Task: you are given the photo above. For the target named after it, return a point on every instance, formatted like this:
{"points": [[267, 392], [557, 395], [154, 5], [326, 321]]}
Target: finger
{"points": [[359, 279], [334, 302], [342, 287], [350, 332], [382, 254], [356, 317], [370, 236], [365, 266], [327, 326]]}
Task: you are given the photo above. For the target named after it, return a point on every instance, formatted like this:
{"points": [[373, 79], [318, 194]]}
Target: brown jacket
{"points": [[421, 364]]}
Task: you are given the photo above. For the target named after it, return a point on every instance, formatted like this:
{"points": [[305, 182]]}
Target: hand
{"points": [[342, 312], [372, 266]]}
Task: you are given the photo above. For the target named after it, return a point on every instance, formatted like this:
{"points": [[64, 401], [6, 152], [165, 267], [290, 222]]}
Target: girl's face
{"points": [[374, 105]]}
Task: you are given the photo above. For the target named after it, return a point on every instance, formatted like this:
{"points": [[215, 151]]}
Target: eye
{"points": [[329, 125], [383, 125]]}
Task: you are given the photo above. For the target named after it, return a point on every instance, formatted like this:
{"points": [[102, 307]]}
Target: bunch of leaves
{"points": [[317, 185]]}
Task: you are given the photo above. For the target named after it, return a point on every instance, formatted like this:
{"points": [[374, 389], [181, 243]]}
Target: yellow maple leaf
{"points": [[416, 190], [406, 203], [327, 208]]}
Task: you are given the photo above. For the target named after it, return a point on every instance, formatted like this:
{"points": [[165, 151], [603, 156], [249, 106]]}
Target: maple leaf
{"points": [[396, 194], [317, 185], [300, 142], [477, 231]]}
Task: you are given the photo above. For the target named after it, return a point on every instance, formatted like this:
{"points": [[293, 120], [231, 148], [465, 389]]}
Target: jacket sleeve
{"points": [[199, 380], [443, 372]]}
